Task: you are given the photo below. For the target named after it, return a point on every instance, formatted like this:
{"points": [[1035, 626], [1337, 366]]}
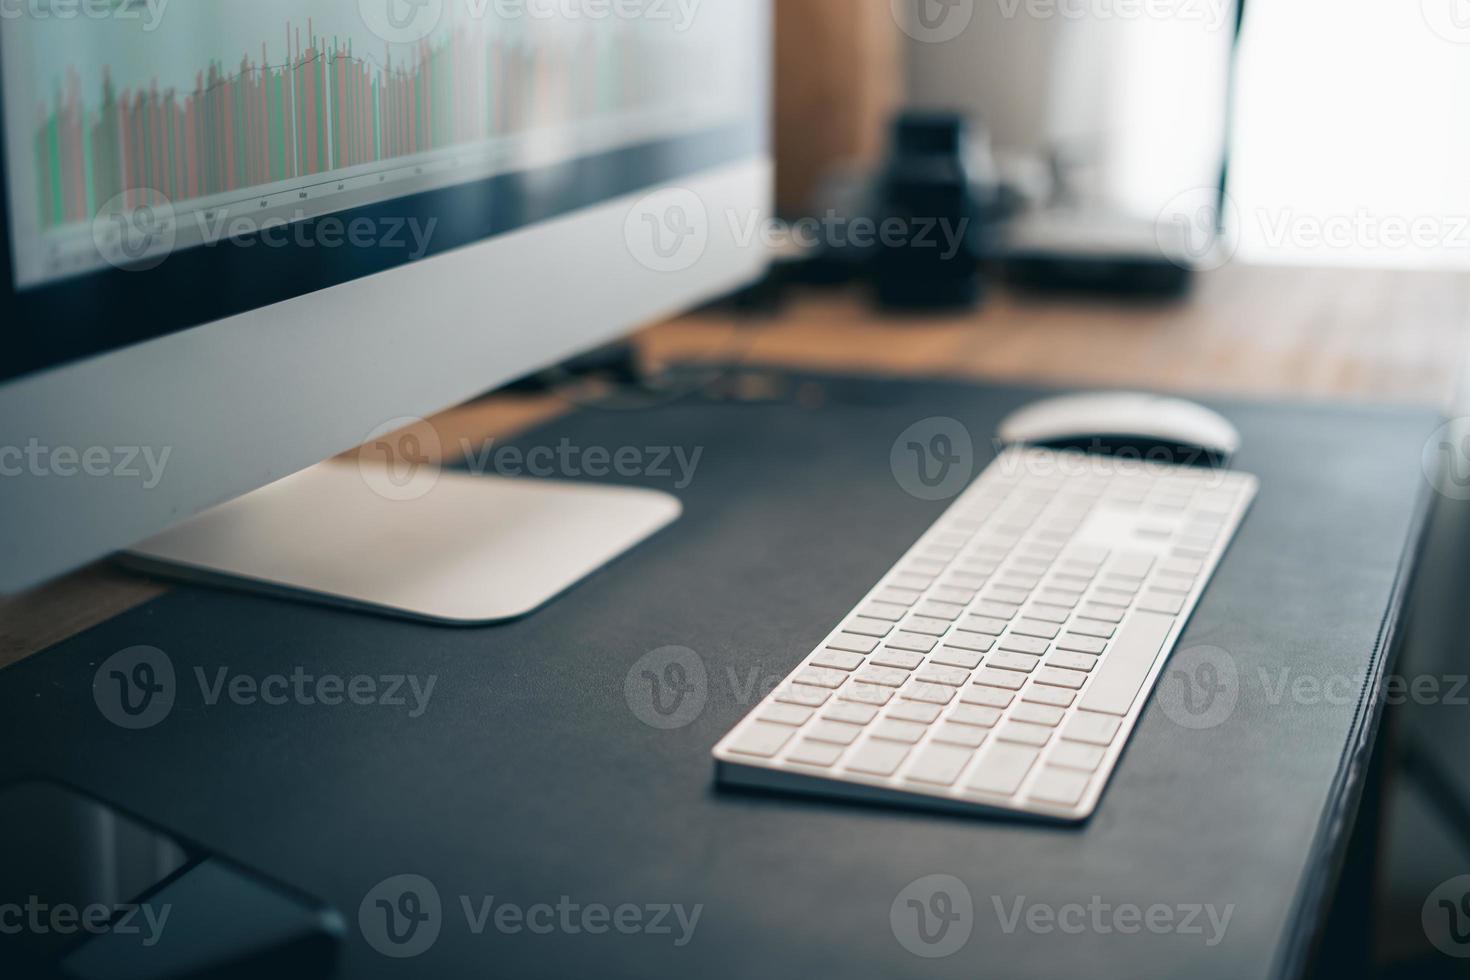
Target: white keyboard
{"points": [[1001, 664]]}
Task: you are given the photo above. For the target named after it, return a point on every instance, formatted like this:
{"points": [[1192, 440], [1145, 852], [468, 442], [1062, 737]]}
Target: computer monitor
{"points": [[242, 238]]}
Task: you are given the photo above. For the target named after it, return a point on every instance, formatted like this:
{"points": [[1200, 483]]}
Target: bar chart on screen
{"points": [[296, 108]]}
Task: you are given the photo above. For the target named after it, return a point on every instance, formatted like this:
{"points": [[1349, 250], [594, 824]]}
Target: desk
{"points": [[560, 680], [1371, 335]]}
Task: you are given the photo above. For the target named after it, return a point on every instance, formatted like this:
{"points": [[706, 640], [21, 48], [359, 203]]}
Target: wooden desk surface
{"points": [[1371, 335]]}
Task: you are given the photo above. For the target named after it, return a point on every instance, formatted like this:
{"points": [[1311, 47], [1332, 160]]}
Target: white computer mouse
{"points": [[1113, 421]]}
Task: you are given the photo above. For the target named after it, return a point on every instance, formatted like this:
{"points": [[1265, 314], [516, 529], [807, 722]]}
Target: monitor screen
{"points": [[228, 155]]}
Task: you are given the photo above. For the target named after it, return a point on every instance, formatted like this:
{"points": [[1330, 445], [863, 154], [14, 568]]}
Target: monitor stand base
{"points": [[467, 550]]}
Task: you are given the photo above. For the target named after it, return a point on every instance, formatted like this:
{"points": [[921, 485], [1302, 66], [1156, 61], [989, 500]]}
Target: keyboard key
{"points": [[927, 626], [1005, 611], [1181, 566], [1025, 644], [1038, 714], [912, 642], [1048, 613], [975, 714], [1056, 677], [1078, 643], [975, 643], [937, 674], [884, 611], [1025, 734], [1007, 679], [899, 659], [898, 597], [883, 676], [1094, 729], [1006, 660], [1161, 602], [1172, 584], [810, 753], [785, 714], [1031, 627], [962, 597], [1072, 661], [1057, 697], [916, 711], [986, 697], [1102, 612], [940, 765], [762, 739], [866, 694], [1002, 769], [1133, 564], [940, 610], [952, 656], [1067, 598], [837, 660], [820, 677], [1091, 627], [912, 582], [932, 693], [850, 712], [878, 758], [868, 627], [982, 624], [1003, 594], [1063, 786], [970, 736], [810, 697], [1073, 755], [852, 643], [836, 732], [898, 731], [1116, 683]]}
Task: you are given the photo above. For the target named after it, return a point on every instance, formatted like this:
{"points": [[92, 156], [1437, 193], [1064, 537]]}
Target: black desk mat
{"points": [[530, 778]]}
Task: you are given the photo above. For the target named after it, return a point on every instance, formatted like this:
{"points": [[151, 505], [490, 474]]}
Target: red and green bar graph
{"points": [[322, 109]]}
